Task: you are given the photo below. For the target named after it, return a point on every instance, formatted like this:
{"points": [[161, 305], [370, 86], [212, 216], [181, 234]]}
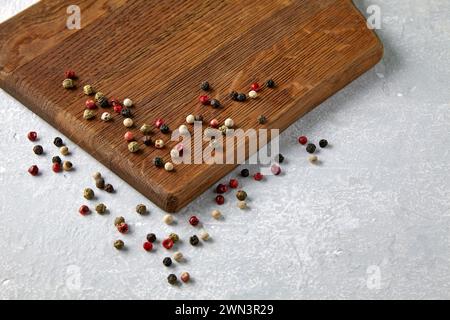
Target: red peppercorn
{"points": [[167, 243], [69, 74], [214, 123], [32, 136], [33, 170], [148, 246], [193, 221], [233, 183], [258, 176], [129, 136], [276, 170], [220, 200], [90, 104], [56, 167], [84, 210], [204, 100], [255, 86], [221, 188], [303, 140], [117, 108], [159, 123], [122, 227]]}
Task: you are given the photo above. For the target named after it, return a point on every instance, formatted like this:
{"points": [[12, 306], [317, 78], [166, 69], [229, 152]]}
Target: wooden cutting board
{"points": [[158, 52]]}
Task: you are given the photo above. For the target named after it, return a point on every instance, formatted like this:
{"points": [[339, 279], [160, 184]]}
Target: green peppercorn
{"points": [[99, 95], [58, 142], [100, 208], [172, 279], [56, 159], [88, 90], [158, 162], [68, 84], [141, 209], [151, 237], [100, 183], [119, 244], [88, 114], [38, 150], [279, 158], [119, 220], [323, 143], [133, 147], [194, 240], [310, 148], [164, 128], [262, 119], [205, 86], [241, 195], [109, 188], [146, 129], [88, 193], [174, 237], [167, 261]]}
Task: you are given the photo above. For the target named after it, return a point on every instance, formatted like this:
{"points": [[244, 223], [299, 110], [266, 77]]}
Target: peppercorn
{"points": [[151, 237], [99, 95], [241, 195], [172, 279], [103, 102], [126, 113], [32, 136], [128, 122], [270, 83], [323, 143], [159, 144], [133, 147], [147, 140], [183, 130], [178, 256], [199, 118], [158, 162], [233, 183], [141, 209], [159, 123], [229, 123], [185, 277], [174, 237], [56, 159], [168, 219], [276, 170], [204, 235], [279, 158], [205, 86], [69, 74], [84, 210], [88, 193], [194, 221], [302, 140], [167, 243], [58, 142], [122, 227], [64, 150], [127, 103], [262, 119], [100, 208], [106, 116], [88, 114], [255, 86], [148, 246], [96, 175], [241, 97], [223, 130], [258, 176], [310, 148], [67, 165], [168, 166], [118, 108], [119, 220], [220, 199], [128, 136], [167, 261], [204, 100], [100, 183], [221, 188], [119, 244], [56, 167], [245, 173], [215, 103], [164, 128], [114, 102], [313, 159], [214, 123], [109, 188], [146, 129], [90, 104], [33, 170], [194, 240], [38, 150], [190, 119], [88, 90], [253, 94], [233, 95], [242, 205], [216, 214], [68, 84]]}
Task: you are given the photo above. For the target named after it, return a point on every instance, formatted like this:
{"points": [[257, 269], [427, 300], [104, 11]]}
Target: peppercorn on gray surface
{"points": [[370, 220]]}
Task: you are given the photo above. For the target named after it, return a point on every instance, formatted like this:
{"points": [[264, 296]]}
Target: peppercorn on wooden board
{"points": [[158, 52]]}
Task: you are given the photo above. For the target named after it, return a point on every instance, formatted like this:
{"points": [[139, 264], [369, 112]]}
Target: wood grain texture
{"points": [[158, 52]]}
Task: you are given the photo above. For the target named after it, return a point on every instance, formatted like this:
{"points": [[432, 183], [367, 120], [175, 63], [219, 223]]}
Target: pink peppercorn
{"points": [[302, 140], [255, 86], [204, 100], [258, 176], [148, 246], [69, 74], [84, 210], [33, 170], [122, 227], [90, 104], [220, 199], [167, 243], [214, 123], [117, 108], [185, 277], [194, 221], [276, 170], [159, 123], [32, 136], [56, 167], [221, 188], [129, 136], [233, 183]]}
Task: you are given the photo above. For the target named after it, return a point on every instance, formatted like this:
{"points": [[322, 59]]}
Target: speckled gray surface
{"points": [[371, 222]]}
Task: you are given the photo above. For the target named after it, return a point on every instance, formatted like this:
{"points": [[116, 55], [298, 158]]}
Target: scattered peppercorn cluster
{"points": [[311, 148]]}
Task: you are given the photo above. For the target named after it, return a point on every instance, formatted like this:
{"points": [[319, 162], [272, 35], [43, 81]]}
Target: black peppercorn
{"points": [[164, 128], [270, 83], [241, 97], [58, 142], [172, 279], [215, 103], [151, 237], [103, 102], [126, 113], [233, 95], [323, 143], [167, 261], [205, 86], [38, 150], [158, 162], [147, 140], [194, 240], [310, 148], [56, 159], [109, 188], [245, 173], [279, 158]]}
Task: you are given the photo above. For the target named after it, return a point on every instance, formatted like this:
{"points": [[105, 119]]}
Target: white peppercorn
{"points": [[204, 235], [127, 103], [106, 116], [128, 122], [190, 119], [168, 219], [216, 214], [178, 256]]}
